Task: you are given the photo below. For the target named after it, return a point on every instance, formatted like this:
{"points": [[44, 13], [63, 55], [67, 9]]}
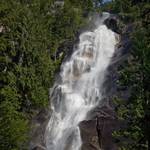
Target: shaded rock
{"points": [[106, 123], [39, 147], [96, 133], [38, 126], [89, 135], [112, 23]]}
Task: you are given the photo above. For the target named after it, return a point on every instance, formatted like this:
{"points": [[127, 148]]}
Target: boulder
{"points": [[96, 133], [112, 23]]}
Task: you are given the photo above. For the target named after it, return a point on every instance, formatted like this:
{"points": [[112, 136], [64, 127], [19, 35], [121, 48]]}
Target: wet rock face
{"points": [[89, 135], [96, 133], [38, 126], [103, 120], [112, 23]]}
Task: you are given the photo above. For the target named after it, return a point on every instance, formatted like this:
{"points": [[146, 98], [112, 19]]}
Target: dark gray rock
{"points": [[39, 147], [96, 133], [89, 135], [37, 134], [112, 23]]}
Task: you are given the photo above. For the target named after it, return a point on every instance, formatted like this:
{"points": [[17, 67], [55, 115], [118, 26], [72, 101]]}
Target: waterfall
{"points": [[80, 90]]}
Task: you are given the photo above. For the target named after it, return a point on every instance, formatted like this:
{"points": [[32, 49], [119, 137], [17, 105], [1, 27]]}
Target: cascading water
{"points": [[80, 89]]}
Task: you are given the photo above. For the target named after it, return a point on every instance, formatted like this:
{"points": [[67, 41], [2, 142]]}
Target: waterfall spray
{"points": [[80, 90]]}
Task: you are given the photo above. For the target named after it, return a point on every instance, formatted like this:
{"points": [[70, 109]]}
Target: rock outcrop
{"points": [[112, 23], [38, 126], [97, 131]]}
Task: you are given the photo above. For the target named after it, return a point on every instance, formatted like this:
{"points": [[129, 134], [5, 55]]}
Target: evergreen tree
{"points": [[30, 34]]}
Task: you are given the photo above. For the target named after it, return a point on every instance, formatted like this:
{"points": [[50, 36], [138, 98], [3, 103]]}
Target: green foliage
{"points": [[30, 34], [13, 124], [135, 75]]}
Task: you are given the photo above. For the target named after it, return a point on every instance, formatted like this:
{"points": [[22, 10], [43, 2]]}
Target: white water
{"points": [[80, 89]]}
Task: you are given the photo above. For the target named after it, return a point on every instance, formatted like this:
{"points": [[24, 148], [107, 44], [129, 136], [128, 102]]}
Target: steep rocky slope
{"points": [[97, 131]]}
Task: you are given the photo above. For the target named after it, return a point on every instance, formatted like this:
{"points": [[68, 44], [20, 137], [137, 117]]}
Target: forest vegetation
{"points": [[134, 75], [30, 34], [32, 31]]}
